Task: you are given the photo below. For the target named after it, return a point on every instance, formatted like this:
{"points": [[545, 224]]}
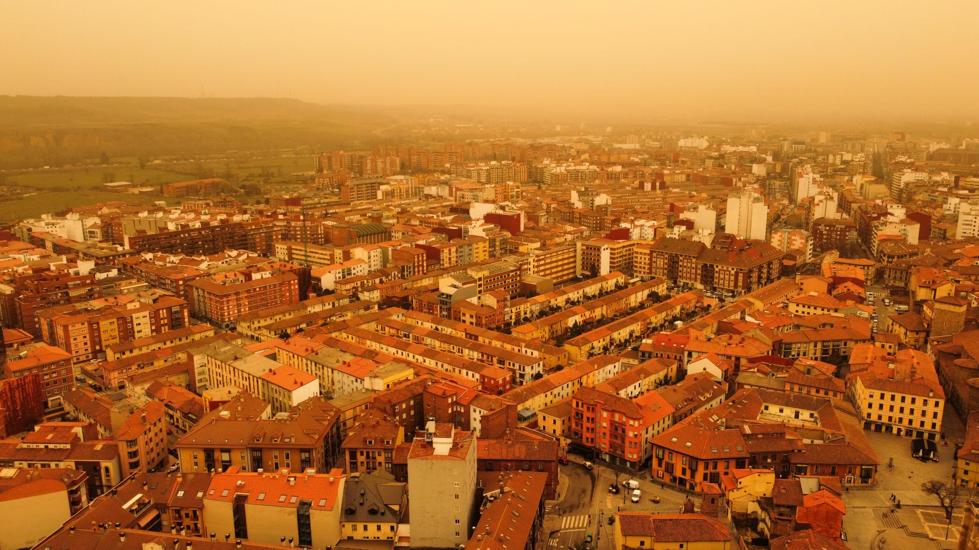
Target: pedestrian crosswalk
{"points": [[575, 522]]}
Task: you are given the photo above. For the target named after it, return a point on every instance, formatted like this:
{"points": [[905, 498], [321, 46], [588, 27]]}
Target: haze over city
{"points": [[619, 60], [489, 276]]}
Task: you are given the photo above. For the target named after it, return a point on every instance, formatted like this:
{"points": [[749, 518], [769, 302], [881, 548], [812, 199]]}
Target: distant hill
{"points": [[58, 130]]}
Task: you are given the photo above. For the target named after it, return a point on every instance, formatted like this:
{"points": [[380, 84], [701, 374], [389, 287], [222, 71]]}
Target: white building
{"points": [[330, 274], [967, 226], [702, 218], [899, 180], [640, 230], [747, 215], [693, 142], [806, 184]]}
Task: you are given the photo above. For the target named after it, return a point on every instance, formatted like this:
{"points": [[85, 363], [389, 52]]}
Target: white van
{"points": [[630, 484], [636, 495]]}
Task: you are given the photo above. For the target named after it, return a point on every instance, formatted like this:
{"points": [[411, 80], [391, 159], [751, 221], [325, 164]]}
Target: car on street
{"points": [[924, 449], [636, 495], [630, 484], [562, 460], [614, 489], [611, 519]]}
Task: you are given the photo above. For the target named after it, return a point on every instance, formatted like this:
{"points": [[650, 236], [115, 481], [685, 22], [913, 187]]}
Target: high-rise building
{"points": [[747, 215], [441, 486], [967, 225], [900, 180]]}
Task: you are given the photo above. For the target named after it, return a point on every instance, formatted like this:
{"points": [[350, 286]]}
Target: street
{"points": [[586, 503]]}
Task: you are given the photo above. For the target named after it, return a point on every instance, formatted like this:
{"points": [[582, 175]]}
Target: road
{"points": [[587, 504], [571, 518]]}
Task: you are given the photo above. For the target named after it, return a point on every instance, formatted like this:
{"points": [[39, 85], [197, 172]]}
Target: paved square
{"points": [[935, 525]]}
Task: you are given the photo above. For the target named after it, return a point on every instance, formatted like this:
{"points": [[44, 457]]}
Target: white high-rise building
{"points": [[806, 184], [967, 226], [900, 179], [747, 215]]}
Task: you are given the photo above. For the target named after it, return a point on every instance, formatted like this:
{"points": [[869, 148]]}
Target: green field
{"points": [[59, 189], [44, 202], [90, 178]]}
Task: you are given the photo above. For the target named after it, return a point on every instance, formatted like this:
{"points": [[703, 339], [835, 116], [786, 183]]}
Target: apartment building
{"points": [[198, 236], [620, 429], [313, 255], [371, 442], [269, 508], [603, 256], [441, 486], [735, 266], [559, 264], [36, 501], [223, 299], [51, 364], [967, 456], [221, 363], [899, 394], [142, 439], [80, 444], [308, 436], [36, 291]]}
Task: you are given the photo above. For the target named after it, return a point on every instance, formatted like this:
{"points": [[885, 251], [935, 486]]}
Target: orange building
{"points": [[52, 364], [225, 299], [620, 429], [142, 439]]}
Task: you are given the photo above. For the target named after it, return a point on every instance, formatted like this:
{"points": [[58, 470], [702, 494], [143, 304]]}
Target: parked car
{"points": [[924, 449], [589, 465], [636, 495], [562, 460]]}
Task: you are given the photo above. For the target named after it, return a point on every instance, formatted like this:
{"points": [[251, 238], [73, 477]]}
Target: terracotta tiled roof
{"points": [[675, 528]]}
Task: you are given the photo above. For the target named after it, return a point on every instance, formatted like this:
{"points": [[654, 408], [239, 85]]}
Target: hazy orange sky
{"points": [[915, 60]]}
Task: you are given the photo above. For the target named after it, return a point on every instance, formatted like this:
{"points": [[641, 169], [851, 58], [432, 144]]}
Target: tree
{"points": [[948, 498]]}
